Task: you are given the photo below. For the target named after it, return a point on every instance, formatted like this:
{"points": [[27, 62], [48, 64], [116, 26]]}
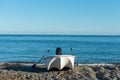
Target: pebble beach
{"points": [[24, 71]]}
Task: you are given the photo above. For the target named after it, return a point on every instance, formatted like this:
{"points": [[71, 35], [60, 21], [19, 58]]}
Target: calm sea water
{"points": [[87, 49]]}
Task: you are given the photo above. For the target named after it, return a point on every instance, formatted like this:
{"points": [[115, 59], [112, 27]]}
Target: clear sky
{"points": [[82, 17]]}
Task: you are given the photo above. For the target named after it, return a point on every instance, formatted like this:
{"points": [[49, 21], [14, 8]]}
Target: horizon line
{"points": [[19, 34]]}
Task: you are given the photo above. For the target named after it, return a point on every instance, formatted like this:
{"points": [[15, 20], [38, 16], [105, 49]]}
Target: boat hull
{"points": [[60, 61]]}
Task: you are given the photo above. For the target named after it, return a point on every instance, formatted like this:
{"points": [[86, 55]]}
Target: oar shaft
{"points": [[40, 59]]}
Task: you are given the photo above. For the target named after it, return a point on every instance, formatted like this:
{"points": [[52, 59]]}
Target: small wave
{"points": [[101, 64]]}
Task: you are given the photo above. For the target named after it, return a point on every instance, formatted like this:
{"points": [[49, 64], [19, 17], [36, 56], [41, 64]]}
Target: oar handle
{"points": [[48, 51], [72, 51]]}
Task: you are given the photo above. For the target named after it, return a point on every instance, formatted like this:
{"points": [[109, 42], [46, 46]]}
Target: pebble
{"points": [[79, 73]]}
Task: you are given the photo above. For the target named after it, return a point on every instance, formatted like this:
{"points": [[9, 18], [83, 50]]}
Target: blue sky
{"points": [[81, 17]]}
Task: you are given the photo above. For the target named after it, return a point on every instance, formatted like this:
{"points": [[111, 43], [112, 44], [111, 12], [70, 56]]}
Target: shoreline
{"points": [[24, 71], [76, 64]]}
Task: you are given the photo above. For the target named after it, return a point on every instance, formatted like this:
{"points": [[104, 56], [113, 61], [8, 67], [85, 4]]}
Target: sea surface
{"points": [[86, 48]]}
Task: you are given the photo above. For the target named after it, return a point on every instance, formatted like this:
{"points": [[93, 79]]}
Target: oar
{"points": [[72, 51], [34, 65]]}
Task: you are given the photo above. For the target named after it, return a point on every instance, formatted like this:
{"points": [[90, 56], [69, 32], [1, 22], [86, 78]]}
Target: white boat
{"points": [[59, 62]]}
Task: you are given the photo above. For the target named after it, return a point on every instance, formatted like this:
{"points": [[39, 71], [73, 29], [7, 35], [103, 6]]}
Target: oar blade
{"points": [[34, 65]]}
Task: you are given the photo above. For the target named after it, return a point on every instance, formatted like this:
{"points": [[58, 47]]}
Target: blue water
{"points": [[87, 48]]}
